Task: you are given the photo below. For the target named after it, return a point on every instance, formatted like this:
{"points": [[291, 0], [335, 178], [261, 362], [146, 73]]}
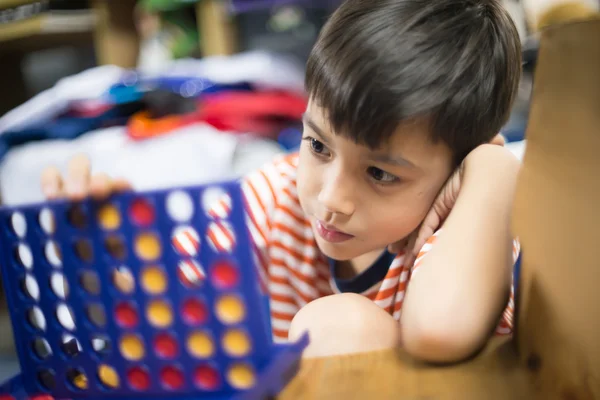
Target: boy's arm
{"points": [[457, 294]]}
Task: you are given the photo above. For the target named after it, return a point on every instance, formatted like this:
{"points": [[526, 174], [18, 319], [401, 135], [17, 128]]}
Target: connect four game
{"points": [[143, 295]]}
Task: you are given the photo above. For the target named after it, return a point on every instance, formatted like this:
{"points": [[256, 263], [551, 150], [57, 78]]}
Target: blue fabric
{"points": [[368, 278]]}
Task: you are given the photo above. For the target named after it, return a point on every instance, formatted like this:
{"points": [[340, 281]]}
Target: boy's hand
{"points": [[79, 182], [442, 205]]}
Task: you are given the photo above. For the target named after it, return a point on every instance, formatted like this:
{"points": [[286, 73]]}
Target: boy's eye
{"points": [[316, 146], [381, 176]]}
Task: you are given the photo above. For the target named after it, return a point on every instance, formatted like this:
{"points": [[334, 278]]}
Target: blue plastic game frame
{"points": [[273, 364]]}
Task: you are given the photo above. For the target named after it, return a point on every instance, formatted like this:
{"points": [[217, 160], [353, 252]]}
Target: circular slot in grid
{"points": [[172, 378], [96, 315], [123, 280], [159, 314], [30, 287], [108, 377], [166, 346], [186, 241], [147, 246], [41, 348], [53, 254], [180, 206], [194, 312], [65, 316], [132, 347], [90, 283], [207, 377], [141, 212], [216, 203], [76, 378], [236, 343], [36, 319], [47, 221], [138, 378], [230, 309], [241, 376], [109, 217], [126, 315], [154, 280], [59, 285], [24, 256], [190, 274], [115, 247], [101, 344], [225, 275], [200, 345], [47, 379], [18, 224], [221, 237], [70, 346], [83, 250], [76, 216]]}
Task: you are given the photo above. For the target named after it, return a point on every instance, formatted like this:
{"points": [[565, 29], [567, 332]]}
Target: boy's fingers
{"points": [[101, 186], [121, 185], [78, 177], [52, 183]]}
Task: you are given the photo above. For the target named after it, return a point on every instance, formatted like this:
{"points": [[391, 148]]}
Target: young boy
{"points": [[406, 98]]}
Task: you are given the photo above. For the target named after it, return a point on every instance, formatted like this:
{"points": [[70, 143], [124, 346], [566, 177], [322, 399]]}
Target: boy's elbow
{"points": [[442, 341]]}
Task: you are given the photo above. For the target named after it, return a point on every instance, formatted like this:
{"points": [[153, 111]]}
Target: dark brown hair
{"points": [[381, 62]]}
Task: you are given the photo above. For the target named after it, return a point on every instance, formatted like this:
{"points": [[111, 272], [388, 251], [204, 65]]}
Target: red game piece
{"points": [[225, 275], [172, 378], [6, 397], [138, 378], [126, 315], [194, 312], [165, 346], [142, 212], [206, 377]]}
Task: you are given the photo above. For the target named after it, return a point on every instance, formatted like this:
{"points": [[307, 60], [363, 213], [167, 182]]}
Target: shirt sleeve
{"points": [[505, 326]]}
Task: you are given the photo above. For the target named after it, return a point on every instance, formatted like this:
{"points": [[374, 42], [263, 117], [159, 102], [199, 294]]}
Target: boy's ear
{"points": [[498, 140]]}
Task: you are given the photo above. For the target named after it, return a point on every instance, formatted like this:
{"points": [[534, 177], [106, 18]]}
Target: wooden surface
{"points": [[494, 375], [557, 216]]}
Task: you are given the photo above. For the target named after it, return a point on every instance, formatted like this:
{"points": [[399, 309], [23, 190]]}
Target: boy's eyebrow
{"points": [[314, 127], [393, 160]]}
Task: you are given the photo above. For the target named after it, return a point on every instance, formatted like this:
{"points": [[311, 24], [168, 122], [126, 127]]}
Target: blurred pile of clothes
{"points": [[196, 121]]}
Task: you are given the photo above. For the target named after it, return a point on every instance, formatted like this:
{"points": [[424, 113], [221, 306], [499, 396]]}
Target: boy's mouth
{"points": [[330, 233]]}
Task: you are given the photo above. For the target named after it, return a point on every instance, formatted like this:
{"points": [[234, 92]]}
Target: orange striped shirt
{"points": [[291, 265]]}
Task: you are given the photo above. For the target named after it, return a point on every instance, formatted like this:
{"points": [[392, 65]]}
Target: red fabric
{"points": [[259, 113]]}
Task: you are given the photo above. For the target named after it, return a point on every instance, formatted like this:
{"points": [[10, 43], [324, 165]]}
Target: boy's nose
{"points": [[336, 197]]}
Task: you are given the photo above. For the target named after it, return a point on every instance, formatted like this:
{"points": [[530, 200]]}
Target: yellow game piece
{"points": [[241, 376], [159, 314], [80, 382], [200, 345], [236, 343], [109, 217], [108, 376], [147, 246], [132, 348], [230, 309], [154, 280]]}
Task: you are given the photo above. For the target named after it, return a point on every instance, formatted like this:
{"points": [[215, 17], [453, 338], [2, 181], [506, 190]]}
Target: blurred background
{"points": [[172, 92]]}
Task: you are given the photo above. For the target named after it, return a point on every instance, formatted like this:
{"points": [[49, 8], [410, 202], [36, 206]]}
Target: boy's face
{"points": [[360, 200]]}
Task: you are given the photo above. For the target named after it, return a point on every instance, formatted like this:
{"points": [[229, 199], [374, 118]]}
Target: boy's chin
{"points": [[337, 251]]}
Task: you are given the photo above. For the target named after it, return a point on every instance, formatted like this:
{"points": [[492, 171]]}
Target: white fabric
{"points": [[192, 155]]}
